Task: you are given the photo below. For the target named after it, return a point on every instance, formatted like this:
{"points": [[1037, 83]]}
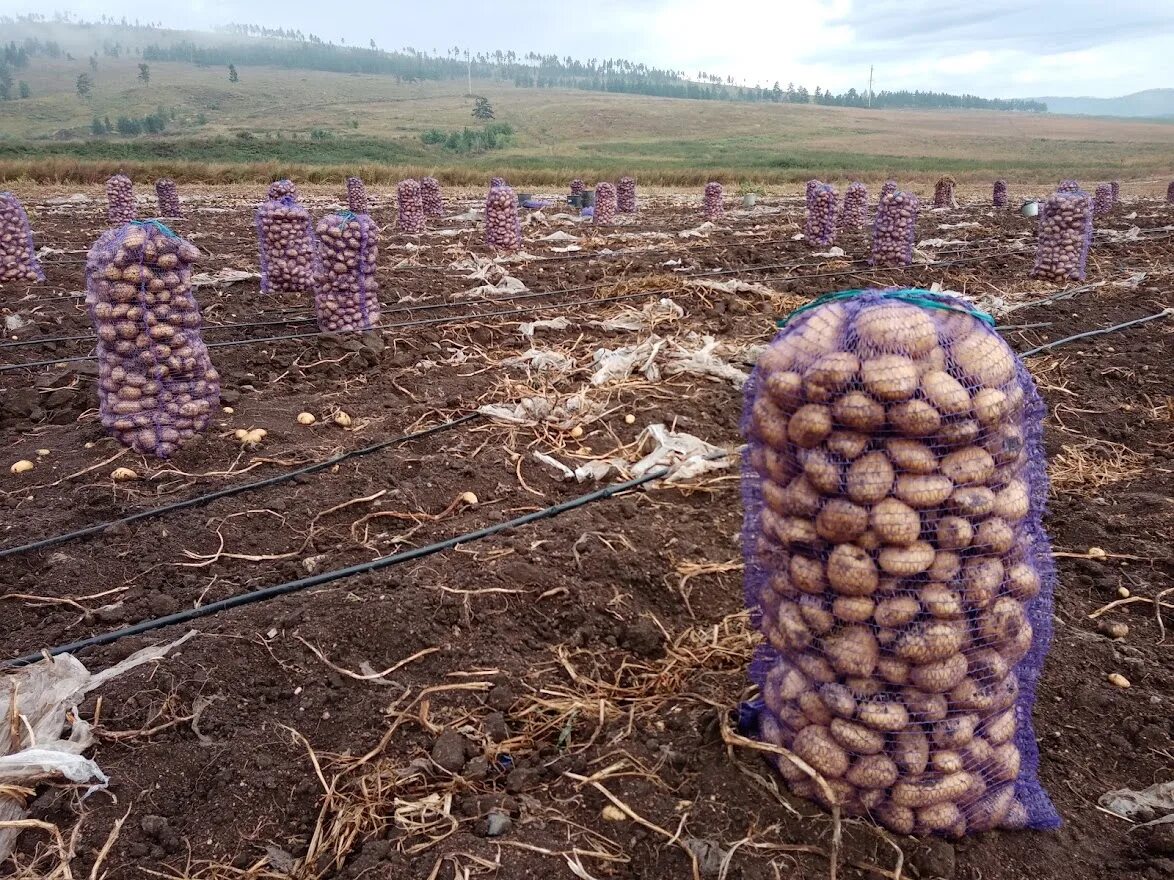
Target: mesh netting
{"points": [[18, 256], [1102, 200], [893, 229], [625, 195], [577, 187], [346, 296], [1068, 186], [1115, 186], [712, 205], [821, 216], [409, 204], [894, 485], [168, 195], [943, 193], [497, 182], [282, 189], [1065, 230], [120, 200], [503, 229], [285, 236], [888, 188], [999, 196], [356, 196], [854, 213], [157, 387], [605, 204], [809, 200], [431, 198]]}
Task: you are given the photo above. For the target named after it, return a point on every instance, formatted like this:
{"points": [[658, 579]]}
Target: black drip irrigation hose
{"points": [[200, 500], [1040, 349], [326, 577]]}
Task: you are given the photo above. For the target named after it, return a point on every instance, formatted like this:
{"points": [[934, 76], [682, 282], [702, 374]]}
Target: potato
{"points": [[823, 471], [910, 751], [923, 491], [892, 669], [852, 651], [781, 585], [970, 696], [954, 533], [945, 566], [989, 406], [972, 501], [947, 395], [1013, 502], [788, 530], [873, 771], [1023, 582], [814, 708], [769, 462], [906, 561], [793, 630], [1003, 622], [988, 666], [894, 326], [815, 667], [841, 521], [925, 707], [971, 466], [911, 456], [784, 683], [829, 374], [853, 609], [954, 732], [896, 611], [785, 387], [820, 333], [883, 712], [1006, 445], [848, 445], [989, 811], [868, 540], [859, 412], [1000, 728], [921, 793], [900, 820], [856, 738], [914, 418], [984, 357], [941, 602], [838, 699], [929, 641], [981, 579], [810, 424], [1004, 764], [895, 522], [944, 818], [768, 422], [807, 574], [890, 377], [815, 745], [800, 498], [941, 676], [817, 614], [851, 571], [994, 535], [960, 432], [869, 478], [977, 754]]}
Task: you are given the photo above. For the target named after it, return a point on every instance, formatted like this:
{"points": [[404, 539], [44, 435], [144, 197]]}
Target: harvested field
{"points": [[557, 697]]}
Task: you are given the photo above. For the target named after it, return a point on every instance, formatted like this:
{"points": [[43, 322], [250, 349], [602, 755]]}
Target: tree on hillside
{"points": [[24, 89], [85, 86], [5, 82], [145, 74], [96, 127], [233, 76], [94, 62], [482, 109]]}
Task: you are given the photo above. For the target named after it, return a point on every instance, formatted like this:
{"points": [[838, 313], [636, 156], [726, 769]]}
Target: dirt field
{"points": [[555, 697]]}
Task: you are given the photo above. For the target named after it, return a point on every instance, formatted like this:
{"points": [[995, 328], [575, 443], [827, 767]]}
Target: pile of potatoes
{"points": [[18, 258], [1170, 192], [943, 192], [888, 188], [282, 189], [577, 187], [356, 196], [605, 204], [430, 197], [120, 200], [894, 228], [167, 194], [1065, 230], [1115, 189], [347, 292], [821, 216], [893, 560], [626, 195], [712, 205], [286, 237], [497, 182], [502, 227], [1068, 185], [157, 387], [854, 211], [409, 206], [999, 195], [1102, 200]]}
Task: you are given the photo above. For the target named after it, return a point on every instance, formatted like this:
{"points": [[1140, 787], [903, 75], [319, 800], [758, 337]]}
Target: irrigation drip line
{"points": [[201, 500], [206, 328], [1039, 349], [326, 577]]}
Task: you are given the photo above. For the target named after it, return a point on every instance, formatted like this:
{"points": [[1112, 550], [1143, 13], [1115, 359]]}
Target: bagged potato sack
{"points": [[896, 563]]}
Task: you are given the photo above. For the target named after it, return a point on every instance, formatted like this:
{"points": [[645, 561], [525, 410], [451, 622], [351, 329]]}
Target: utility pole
{"points": [[870, 86], [469, 62]]}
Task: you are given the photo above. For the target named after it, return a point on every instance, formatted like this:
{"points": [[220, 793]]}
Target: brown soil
{"points": [[606, 643]]}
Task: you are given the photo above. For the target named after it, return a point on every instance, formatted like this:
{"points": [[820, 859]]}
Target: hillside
{"points": [[1153, 103]]}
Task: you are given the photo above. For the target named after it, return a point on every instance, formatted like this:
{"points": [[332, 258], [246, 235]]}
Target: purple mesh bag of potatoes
{"points": [[346, 296], [896, 563], [18, 256], [157, 387], [285, 237]]}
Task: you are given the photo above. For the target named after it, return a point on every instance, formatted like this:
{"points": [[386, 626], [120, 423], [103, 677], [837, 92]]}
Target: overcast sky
{"points": [[994, 48]]}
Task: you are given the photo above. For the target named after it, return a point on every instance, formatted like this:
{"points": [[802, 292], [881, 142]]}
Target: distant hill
{"points": [[1154, 103]]}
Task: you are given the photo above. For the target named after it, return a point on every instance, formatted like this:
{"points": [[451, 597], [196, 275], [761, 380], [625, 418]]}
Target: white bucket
{"points": [[1029, 209]]}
